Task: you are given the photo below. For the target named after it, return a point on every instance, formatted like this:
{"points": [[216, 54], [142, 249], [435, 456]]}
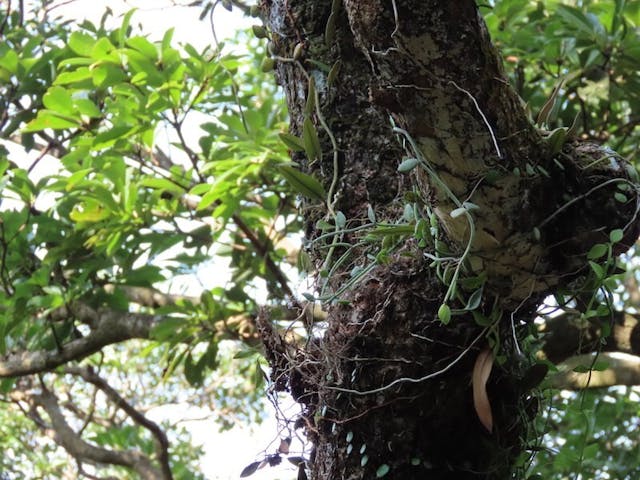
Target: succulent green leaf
{"points": [[303, 183]]}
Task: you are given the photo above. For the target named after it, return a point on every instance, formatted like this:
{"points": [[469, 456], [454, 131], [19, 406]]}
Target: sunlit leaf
{"points": [[81, 43], [53, 120]]}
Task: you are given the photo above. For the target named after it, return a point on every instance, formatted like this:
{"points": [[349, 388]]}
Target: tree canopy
{"points": [[131, 168]]}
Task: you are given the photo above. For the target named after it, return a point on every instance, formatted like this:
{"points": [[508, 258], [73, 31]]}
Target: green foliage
{"points": [[589, 52], [116, 206], [147, 160], [591, 434], [592, 46]]}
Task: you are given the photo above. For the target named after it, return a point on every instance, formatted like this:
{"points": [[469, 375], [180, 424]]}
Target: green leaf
{"points": [[166, 40], [9, 60], [103, 49], [58, 99], [193, 371], [81, 43], [89, 214], [123, 31], [267, 65], [371, 215], [616, 235], [302, 183], [304, 263], [382, 470], [74, 76], [168, 328], [53, 120], [474, 300], [620, 197], [144, 276], [536, 234], [311, 98], [87, 108], [333, 73], [408, 164], [556, 140], [144, 46], [597, 251], [581, 369], [259, 31], [481, 319], [444, 313], [547, 108], [597, 269], [258, 376], [250, 469], [292, 142], [455, 213], [600, 366], [107, 75], [162, 184], [576, 18], [311, 141], [109, 137], [390, 230]]}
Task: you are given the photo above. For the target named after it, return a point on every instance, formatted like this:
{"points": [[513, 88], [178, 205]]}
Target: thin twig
{"points": [[162, 443]]}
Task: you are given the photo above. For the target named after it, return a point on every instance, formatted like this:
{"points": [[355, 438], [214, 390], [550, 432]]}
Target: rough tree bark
{"points": [[387, 388]]}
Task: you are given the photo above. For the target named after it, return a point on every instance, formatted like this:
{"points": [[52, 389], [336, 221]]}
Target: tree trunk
{"points": [[497, 212]]}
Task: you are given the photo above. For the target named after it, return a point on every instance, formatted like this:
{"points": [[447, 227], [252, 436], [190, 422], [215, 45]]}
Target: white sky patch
{"points": [[158, 16]]}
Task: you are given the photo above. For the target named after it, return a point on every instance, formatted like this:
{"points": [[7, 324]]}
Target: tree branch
{"points": [[162, 443], [66, 437], [621, 369], [150, 297], [567, 335], [107, 327]]}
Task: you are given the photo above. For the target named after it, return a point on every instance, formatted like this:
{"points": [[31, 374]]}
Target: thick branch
{"points": [[151, 297], [621, 369], [567, 335], [162, 443], [107, 327], [66, 437]]}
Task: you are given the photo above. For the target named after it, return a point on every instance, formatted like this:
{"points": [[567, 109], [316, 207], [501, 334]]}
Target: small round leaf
{"points": [[407, 165], [616, 235], [382, 470], [444, 313], [597, 251]]}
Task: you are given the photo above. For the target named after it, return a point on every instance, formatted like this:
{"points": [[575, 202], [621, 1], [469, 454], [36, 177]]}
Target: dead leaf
{"points": [[284, 445], [250, 469], [481, 372]]}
